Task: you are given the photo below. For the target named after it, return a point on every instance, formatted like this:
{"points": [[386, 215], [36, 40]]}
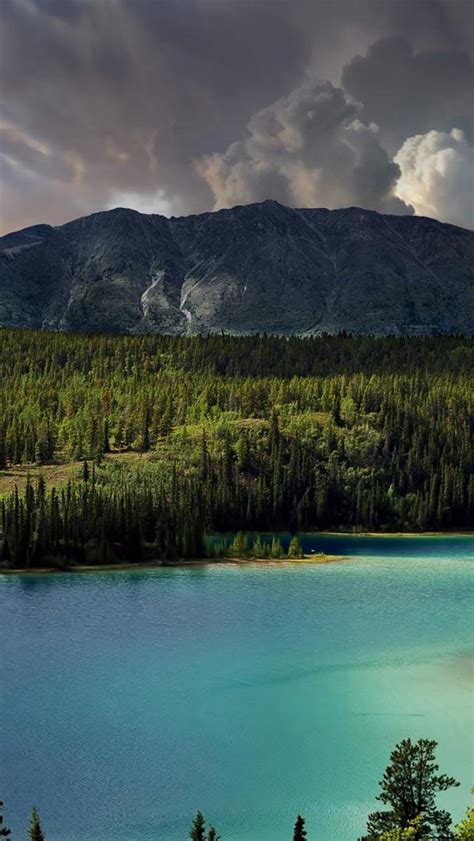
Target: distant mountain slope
{"points": [[257, 268]]}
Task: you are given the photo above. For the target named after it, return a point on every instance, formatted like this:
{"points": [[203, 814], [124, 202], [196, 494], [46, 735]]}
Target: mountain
{"points": [[257, 268]]}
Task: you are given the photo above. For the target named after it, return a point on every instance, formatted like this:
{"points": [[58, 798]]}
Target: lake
{"points": [[130, 700]]}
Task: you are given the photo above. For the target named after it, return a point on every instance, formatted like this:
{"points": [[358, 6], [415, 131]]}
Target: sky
{"points": [[186, 106]]}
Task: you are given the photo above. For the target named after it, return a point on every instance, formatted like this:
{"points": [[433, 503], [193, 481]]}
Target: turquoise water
{"points": [[130, 700]]}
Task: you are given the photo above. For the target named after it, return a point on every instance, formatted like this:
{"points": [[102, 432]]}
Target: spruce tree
{"points": [[294, 549], [299, 832], [198, 829], [35, 832], [258, 549], [4, 831], [238, 545], [3, 451]]}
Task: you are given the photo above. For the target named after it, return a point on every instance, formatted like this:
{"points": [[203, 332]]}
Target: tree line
{"points": [[408, 788]]}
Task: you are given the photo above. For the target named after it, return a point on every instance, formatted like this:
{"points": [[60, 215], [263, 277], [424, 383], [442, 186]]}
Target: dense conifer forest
{"points": [[124, 448]]}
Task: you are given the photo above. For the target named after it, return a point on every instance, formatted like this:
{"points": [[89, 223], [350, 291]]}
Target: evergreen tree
{"points": [[410, 785], [35, 832], [258, 548], [198, 829], [4, 831], [294, 549], [144, 439], [3, 450], [299, 832], [238, 545]]}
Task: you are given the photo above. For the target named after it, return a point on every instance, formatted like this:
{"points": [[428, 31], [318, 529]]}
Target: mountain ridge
{"points": [[248, 269]]}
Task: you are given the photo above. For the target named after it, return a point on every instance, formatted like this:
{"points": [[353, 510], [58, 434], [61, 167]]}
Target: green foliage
{"points": [[259, 548], [238, 547], [230, 434], [410, 785], [198, 830], [91, 522], [464, 830], [294, 549], [299, 832], [410, 833], [35, 832]]}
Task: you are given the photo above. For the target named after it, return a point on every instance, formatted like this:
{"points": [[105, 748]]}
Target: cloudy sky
{"points": [[183, 106]]}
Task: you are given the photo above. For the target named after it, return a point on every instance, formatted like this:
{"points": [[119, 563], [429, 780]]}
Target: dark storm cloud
{"points": [[407, 92], [135, 101]]}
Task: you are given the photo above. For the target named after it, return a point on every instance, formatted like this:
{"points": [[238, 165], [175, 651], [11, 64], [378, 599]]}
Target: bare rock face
{"points": [[252, 269]]}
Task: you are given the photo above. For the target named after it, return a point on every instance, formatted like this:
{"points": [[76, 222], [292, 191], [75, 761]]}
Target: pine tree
{"points": [[144, 440], [198, 829], [294, 549], [258, 549], [4, 831], [238, 545], [35, 832], [299, 832], [410, 785]]}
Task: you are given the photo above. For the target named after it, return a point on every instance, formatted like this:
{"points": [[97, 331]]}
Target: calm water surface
{"points": [[130, 700]]}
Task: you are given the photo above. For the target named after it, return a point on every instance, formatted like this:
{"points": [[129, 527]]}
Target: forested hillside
{"points": [[122, 447]]}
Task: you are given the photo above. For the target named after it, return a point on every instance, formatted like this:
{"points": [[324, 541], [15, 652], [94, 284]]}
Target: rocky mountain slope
{"points": [[261, 267]]}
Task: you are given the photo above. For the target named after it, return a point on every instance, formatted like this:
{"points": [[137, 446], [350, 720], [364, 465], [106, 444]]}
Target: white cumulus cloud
{"points": [[437, 176]]}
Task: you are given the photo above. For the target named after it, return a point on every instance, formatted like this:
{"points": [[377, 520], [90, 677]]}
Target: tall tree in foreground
{"points": [[198, 830], [4, 831], [299, 832], [35, 832], [410, 785]]}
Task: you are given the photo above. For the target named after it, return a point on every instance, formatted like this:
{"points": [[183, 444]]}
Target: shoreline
{"points": [[391, 533], [180, 564], [312, 558], [348, 533]]}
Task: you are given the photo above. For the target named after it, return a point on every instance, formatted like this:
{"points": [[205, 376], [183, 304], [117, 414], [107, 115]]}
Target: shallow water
{"points": [[130, 700]]}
